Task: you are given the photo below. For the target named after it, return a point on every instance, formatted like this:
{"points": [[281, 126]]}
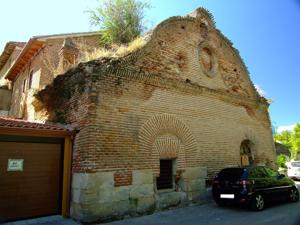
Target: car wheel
{"points": [[258, 202], [294, 195]]}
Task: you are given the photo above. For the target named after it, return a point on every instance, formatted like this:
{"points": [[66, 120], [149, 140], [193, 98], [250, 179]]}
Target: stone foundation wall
{"points": [[95, 196]]}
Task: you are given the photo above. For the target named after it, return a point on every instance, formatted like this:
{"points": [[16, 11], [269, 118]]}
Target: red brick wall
{"points": [[123, 178], [195, 127], [162, 102]]}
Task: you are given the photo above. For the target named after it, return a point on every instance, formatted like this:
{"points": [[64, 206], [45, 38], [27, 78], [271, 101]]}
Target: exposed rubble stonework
{"points": [[184, 97]]}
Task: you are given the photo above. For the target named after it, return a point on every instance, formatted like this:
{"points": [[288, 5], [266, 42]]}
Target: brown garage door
{"points": [[35, 189]]}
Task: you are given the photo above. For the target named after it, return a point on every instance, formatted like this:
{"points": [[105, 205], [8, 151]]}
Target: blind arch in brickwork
{"points": [[250, 136], [166, 136]]}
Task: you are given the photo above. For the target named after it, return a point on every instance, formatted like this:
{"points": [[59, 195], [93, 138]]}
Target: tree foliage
{"points": [[290, 139], [285, 137], [281, 160], [296, 139], [120, 21]]}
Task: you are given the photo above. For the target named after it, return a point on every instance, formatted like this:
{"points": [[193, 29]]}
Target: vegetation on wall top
{"points": [[120, 21]]}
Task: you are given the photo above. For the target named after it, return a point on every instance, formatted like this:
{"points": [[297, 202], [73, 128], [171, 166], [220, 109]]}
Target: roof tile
{"points": [[7, 122]]}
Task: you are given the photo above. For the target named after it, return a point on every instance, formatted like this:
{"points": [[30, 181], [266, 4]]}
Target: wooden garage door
{"points": [[35, 191]]}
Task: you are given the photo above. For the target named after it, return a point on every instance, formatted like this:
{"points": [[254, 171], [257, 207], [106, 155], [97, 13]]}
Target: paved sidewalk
{"points": [[49, 220]]}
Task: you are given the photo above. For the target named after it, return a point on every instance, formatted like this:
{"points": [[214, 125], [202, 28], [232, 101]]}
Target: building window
{"points": [[165, 179], [30, 79], [24, 86]]}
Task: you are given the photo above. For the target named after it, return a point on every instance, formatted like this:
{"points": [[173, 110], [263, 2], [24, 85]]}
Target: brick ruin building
{"points": [[152, 126]]}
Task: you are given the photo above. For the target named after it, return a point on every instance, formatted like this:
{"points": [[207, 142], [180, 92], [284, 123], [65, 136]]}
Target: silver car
{"points": [[293, 169]]}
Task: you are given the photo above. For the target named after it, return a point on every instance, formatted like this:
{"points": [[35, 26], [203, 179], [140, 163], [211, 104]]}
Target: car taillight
{"points": [[244, 183]]}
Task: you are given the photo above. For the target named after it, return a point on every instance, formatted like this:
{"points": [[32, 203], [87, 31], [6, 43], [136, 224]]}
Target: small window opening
{"points": [[30, 79], [24, 86], [165, 179]]}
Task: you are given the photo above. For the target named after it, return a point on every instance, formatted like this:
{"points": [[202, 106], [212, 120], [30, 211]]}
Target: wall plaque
{"points": [[15, 164]]}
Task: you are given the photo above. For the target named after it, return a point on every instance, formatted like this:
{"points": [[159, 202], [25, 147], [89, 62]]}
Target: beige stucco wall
{"points": [[45, 67], [5, 97], [7, 66]]}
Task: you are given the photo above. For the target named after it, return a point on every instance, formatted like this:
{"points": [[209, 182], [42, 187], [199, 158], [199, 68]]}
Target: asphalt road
{"points": [[283, 213]]}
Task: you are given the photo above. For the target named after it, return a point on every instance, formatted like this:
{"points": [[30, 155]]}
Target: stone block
{"points": [[75, 195], [194, 196], [101, 210], [88, 196], [121, 193], [121, 207], [80, 180], [193, 185], [84, 212], [141, 191], [113, 194], [76, 211], [197, 185], [145, 204], [142, 177], [195, 173], [105, 195], [168, 199], [103, 179]]}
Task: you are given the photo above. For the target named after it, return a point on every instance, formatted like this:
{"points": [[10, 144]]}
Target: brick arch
{"points": [[168, 146], [166, 134], [251, 136]]}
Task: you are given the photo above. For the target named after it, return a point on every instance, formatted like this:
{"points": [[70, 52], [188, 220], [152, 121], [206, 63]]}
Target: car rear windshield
{"points": [[231, 174], [295, 164]]}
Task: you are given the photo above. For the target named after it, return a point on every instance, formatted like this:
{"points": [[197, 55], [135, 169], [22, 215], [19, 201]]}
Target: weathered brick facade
{"points": [[185, 96]]}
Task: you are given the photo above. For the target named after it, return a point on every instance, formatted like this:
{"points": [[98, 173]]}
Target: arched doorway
{"points": [[246, 151]]}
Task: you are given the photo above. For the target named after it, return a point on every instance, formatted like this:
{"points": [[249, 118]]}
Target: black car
{"points": [[253, 186]]}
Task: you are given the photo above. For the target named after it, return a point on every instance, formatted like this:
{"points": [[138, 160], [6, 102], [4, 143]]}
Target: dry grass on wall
{"points": [[114, 51], [86, 53]]}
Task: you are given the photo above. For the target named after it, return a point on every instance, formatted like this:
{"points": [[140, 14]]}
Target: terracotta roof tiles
{"points": [[6, 122]]}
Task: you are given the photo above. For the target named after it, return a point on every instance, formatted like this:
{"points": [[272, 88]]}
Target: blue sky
{"points": [[267, 34]]}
